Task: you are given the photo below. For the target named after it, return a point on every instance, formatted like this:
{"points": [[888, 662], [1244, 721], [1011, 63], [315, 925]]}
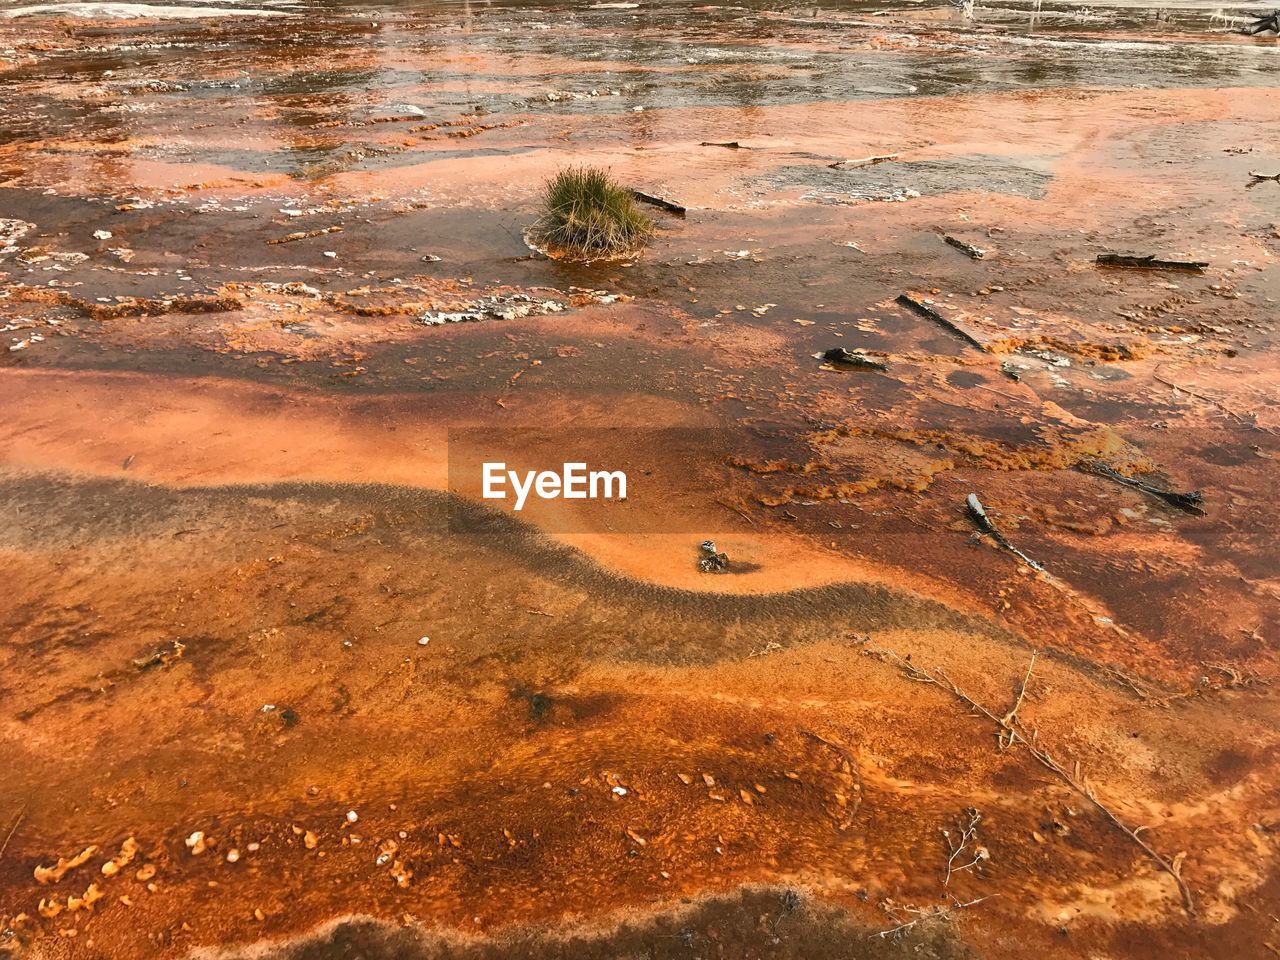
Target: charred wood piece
{"points": [[984, 524], [968, 249], [854, 359], [1190, 502], [1149, 262], [667, 205], [1271, 22], [929, 313]]}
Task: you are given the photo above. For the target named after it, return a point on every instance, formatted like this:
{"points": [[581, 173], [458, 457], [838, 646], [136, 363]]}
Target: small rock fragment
{"points": [[60, 869], [128, 850], [712, 561]]}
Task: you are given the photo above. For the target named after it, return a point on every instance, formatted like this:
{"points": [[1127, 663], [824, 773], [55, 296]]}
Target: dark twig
{"points": [[744, 515], [979, 516], [1149, 262], [853, 359], [929, 313], [12, 830], [1271, 22], [667, 205], [968, 249], [1190, 502]]}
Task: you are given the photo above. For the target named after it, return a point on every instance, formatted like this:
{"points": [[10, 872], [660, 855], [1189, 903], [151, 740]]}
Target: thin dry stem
{"points": [[12, 830], [968, 834], [1011, 727], [927, 914]]}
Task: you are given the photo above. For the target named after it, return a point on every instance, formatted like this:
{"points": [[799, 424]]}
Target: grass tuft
{"points": [[587, 216]]}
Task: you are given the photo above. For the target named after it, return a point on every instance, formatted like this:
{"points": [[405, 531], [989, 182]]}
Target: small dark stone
{"points": [[539, 705]]}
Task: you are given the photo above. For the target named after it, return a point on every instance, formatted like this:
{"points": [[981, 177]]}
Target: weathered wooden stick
{"points": [[1190, 502], [840, 357], [930, 314], [305, 235], [864, 162], [731, 144], [1149, 262], [1261, 26], [666, 205], [12, 830], [984, 523], [968, 249], [1259, 177]]}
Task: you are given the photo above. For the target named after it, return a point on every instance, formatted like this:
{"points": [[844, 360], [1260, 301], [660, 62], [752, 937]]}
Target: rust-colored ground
{"points": [[227, 515]]}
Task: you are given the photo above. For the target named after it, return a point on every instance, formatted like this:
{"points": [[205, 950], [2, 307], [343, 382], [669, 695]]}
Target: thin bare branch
{"points": [[928, 914], [968, 834], [1012, 727], [12, 830], [1011, 718]]}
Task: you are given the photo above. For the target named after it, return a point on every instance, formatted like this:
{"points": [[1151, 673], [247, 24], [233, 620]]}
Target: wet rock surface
{"points": [[232, 251]]}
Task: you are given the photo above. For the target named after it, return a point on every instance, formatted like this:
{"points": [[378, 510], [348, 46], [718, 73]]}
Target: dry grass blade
{"points": [[12, 830]]}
